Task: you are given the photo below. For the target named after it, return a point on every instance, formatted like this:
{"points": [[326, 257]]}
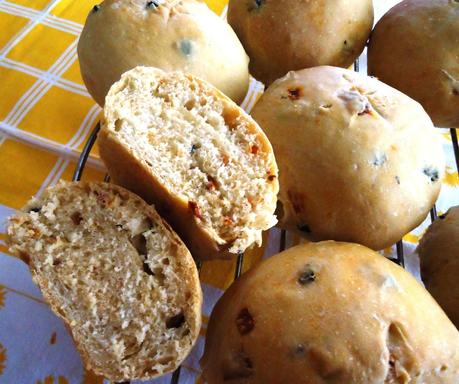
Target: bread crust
{"points": [[329, 313], [180, 35], [414, 48], [133, 172], [439, 255], [185, 267], [285, 35], [358, 160]]}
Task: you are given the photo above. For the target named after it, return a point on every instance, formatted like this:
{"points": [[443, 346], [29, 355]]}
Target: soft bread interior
{"points": [[110, 270], [200, 147]]}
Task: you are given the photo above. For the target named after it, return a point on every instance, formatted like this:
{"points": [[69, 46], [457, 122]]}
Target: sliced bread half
{"points": [[206, 165], [122, 280]]}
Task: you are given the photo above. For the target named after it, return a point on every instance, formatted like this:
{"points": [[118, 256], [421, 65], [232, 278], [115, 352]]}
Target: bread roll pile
{"points": [[344, 157]]}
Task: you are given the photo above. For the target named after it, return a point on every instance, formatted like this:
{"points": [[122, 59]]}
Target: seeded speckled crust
{"points": [[439, 254], [116, 273], [358, 160], [206, 165], [174, 35], [329, 313], [284, 35], [415, 48]]}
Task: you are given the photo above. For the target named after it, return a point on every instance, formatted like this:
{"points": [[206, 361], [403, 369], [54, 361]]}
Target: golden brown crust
{"points": [[347, 171], [284, 35], [184, 267], [439, 255], [414, 48], [329, 313], [133, 172], [174, 36]]}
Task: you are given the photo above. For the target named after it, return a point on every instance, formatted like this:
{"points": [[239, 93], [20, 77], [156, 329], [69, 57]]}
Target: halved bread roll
{"points": [[121, 279], [206, 165]]}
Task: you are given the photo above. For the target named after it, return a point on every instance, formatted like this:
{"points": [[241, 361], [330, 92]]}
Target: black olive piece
{"points": [[152, 4], [300, 350], [304, 228], [379, 160], [96, 8], [255, 5], [397, 179], [193, 149], [432, 173], [307, 276], [175, 321]]}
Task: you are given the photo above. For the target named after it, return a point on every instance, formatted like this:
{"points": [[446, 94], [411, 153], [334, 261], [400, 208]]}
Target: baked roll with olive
{"points": [[329, 313], [439, 255], [358, 160], [171, 35], [415, 48], [284, 35]]}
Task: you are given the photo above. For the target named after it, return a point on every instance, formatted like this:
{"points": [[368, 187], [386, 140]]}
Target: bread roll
{"points": [[439, 255], [206, 165], [183, 35], [284, 35], [415, 48], [329, 313], [114, 271], [358, 160]]}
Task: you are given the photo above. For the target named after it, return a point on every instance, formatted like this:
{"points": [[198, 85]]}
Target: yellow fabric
{"points": [[46, 115]]}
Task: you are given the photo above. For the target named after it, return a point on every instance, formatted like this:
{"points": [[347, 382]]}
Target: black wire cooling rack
{"points": [[399, 259]]}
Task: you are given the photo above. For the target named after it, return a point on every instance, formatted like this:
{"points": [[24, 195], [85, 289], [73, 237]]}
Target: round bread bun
{"points": [[358, 160], [329, 313], [183, 35], [415, 48], [439, 255], [284, 35]]}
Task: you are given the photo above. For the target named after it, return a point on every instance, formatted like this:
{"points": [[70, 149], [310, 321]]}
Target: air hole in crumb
{"points": [[175, 321], [202, 102], [444, 367], [326, 106], [166, 261], [34, 209], [76, 218], [57, 262], [442, 217], [139, 243], [147, 269]]}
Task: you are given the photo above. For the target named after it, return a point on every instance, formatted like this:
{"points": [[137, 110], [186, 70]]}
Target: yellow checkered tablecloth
{"points": [[46, 115]]}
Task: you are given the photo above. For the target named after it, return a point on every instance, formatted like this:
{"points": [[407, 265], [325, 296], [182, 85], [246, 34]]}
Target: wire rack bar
{"points": [[85, 153], [455, 146]]}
